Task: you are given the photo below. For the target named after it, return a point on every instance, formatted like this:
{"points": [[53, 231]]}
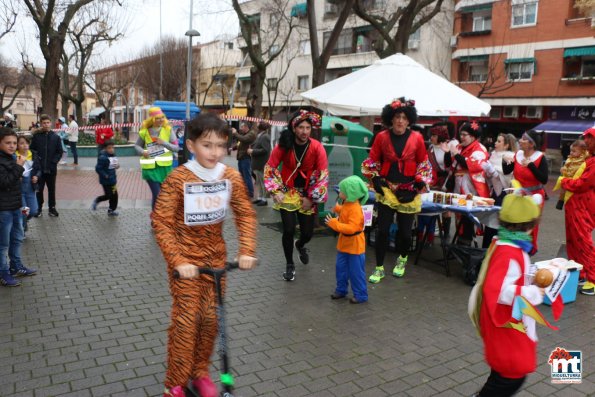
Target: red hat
{"points": [[590, 131], [441, 131]]}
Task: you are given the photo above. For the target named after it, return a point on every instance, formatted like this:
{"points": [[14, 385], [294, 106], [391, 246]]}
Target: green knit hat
{"points": [[354, 188]]}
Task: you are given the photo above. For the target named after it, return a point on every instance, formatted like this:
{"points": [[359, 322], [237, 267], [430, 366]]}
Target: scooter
{"points": [[226, 377]]}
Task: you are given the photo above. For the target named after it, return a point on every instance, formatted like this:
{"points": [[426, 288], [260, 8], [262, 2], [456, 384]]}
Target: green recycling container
{"points": [[346, 144]]}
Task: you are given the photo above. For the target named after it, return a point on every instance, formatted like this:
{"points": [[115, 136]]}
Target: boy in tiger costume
{"points": [[188, 223]]}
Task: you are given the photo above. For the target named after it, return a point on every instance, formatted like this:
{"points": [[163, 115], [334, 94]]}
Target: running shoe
{"points": [[399, 270], [588, 288], [377, 275], [302, 254], [289, 274], [22, 271]]}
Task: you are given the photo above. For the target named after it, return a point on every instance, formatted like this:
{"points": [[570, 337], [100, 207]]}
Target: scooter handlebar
{"points": [[212, 272]]}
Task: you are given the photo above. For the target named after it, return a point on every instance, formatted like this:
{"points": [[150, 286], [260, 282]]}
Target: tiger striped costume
{"points": [[193, 328]]}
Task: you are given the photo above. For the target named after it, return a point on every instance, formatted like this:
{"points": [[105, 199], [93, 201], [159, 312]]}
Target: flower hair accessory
{"points": [[474, 126], [306, 115], [397, 103]]}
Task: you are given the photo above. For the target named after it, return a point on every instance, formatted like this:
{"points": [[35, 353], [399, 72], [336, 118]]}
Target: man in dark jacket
{"points": [[260, 152], [11, 226], [49, 149], [245, 138]]}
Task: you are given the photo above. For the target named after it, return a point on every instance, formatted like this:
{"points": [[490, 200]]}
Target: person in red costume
{"points": [[103, 133], [529, 169], [504, 283], [399, 169], [580, 217], [296, 175], [467, 159]]}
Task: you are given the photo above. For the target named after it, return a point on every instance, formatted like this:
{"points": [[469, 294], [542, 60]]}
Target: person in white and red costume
{"points": [[510, 340], [580, 216]]}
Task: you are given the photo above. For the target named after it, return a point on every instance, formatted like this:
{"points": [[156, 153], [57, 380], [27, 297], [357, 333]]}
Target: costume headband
{"points": [[590, 132], [528, 137], [397, 103], [440, 131], [312, 117]]}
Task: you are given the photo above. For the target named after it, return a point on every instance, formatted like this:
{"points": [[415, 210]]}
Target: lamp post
{"points": [[190, 33]]}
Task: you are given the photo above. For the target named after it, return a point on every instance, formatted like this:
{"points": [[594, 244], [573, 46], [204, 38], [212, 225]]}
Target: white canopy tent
{"points": [[366, 91]]}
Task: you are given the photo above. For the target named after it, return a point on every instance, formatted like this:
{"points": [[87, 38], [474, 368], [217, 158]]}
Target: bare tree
{"points": [[406, 19], [107, 86], [264, 43], [174, 68], [94, 25], [53, 21], [8, 18], [320, 58], [586, 7], [275, 77], [12, 82]]}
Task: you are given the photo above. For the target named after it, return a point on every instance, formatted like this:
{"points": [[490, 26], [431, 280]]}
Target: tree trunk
{"points": [[50, 84], [65, 104], [254, 99], [318, 76]]}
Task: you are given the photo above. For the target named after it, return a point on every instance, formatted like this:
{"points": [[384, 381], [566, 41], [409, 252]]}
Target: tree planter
{"points": [[121, 151]]}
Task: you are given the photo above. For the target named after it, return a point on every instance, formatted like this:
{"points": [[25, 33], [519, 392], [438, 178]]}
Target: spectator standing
{"points": [[11, 226], [49, 148], [103, 133], [62, 127], [73, 138], [30, 178], [260, 152], [245, 138]]}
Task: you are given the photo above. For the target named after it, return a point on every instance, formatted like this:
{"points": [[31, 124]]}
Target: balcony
{"points": [[476, 33]]}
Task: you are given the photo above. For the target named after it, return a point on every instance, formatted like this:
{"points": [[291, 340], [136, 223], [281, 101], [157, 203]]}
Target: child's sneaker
{"points": [[94, 205], [8, 281], [588, 288], [582, 281], [112, 213], [377, 275], [22, 271], [53, 212], [176, 391], [289, 274], [302, 254], [205, 387], [399, 270]]}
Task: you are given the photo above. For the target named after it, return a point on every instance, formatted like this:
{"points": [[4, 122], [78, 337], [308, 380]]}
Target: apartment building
{"points": [[532, 60], [291, 73]]}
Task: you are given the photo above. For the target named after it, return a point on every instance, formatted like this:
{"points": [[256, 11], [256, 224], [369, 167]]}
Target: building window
{"points": [[344, 43], [244, 87], [330, 8], [414, 39], [272, 84], [141, 97], [303, 83], [305, 47], [474, 69], [524, 12], [274, 50], [520, 71], [274, 19], [588, 67], [365, 38], [482, 21]]}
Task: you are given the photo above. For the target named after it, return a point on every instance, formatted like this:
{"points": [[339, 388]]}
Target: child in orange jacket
{"points": [[351, 247]]}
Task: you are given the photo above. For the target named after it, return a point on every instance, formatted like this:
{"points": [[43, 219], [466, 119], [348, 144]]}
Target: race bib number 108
{"points": [[206, 203]]}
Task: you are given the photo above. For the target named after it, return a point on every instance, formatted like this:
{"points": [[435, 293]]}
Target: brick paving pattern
{"points": [[93, 321]]}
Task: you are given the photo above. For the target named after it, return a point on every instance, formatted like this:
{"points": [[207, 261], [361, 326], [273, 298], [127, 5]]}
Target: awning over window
{"points": [[473, 5], [363, 29], [241, 112], [565, 126], [519, 60], [299, 10], [474, 58], [579, 51], [244, 78], [96, 112]]}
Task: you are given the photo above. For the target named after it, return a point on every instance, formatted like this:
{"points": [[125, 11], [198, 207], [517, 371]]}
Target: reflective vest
{"points": [[163, 160]]}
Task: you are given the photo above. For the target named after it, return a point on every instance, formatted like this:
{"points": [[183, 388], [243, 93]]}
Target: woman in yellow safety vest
{"points": [[156, 145]]}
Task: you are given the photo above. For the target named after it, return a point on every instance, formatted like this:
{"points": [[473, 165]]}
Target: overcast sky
{"points": [[212, 18]]}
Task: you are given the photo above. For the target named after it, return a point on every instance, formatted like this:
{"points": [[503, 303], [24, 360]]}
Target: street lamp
{"points": [[190, 33]]}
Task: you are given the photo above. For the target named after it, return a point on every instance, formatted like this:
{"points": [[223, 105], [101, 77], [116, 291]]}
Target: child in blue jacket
{"points": [[107, 164]]}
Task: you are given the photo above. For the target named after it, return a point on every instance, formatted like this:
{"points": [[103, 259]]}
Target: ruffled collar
{"points": [[206, 174]]}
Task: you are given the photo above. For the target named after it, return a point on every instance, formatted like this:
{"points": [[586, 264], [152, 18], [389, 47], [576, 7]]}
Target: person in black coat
{"points": [[260, 152], [49, 149], [11, 226]]}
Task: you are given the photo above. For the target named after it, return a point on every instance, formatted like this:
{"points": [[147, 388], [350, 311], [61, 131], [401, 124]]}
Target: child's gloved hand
{"points": [[186, 270], [560, 205], [328, 219], [247, 262]]}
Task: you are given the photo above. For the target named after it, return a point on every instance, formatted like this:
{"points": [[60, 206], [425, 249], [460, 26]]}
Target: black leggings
{"points": [[498, 386], [288, 218], [404, 224]]}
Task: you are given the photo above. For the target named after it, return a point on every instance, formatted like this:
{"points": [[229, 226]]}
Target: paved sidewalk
{"points": [[93, 321]]}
